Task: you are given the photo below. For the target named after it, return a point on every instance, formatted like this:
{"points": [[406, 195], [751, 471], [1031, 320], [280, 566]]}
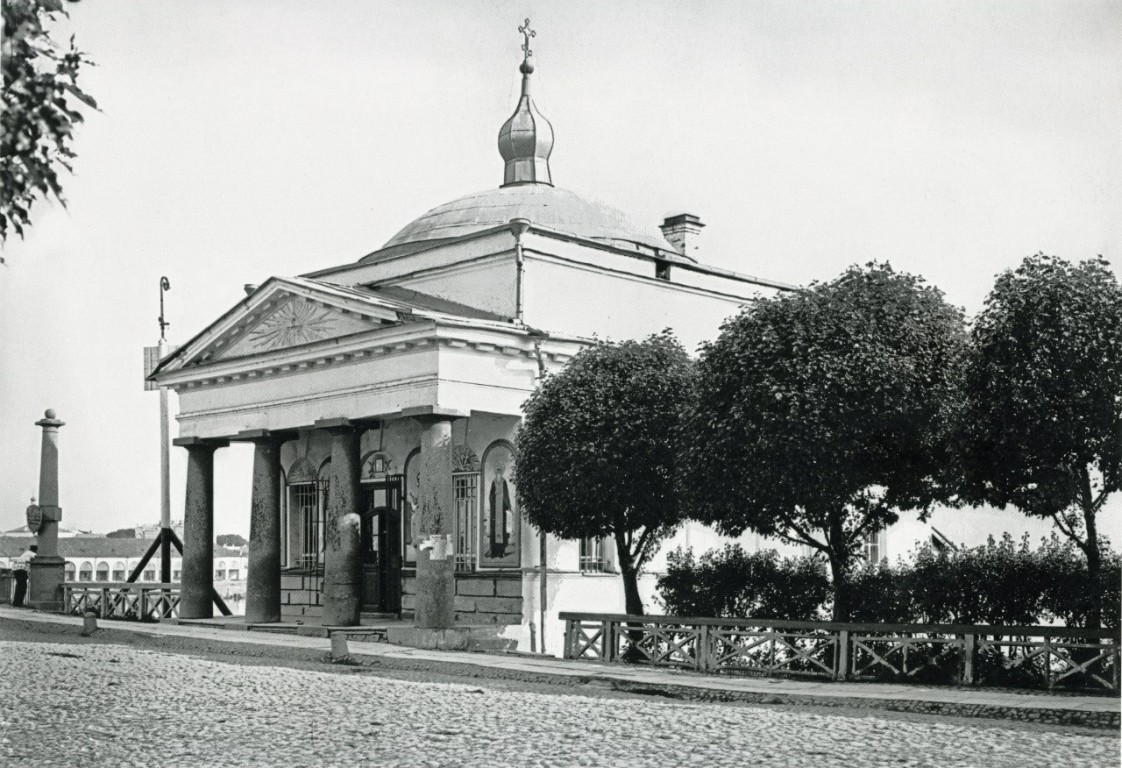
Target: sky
{"points": [[239, 140]]}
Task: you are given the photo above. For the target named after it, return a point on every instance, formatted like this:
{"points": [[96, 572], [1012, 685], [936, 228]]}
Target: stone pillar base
{"points": [[44, 583], [436, 593]]}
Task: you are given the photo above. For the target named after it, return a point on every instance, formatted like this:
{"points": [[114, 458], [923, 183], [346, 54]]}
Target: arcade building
{"points": [[383, 399]]}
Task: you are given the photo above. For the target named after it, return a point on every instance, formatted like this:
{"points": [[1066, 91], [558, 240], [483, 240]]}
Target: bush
{"points": [[881, 594], [730, 583], [1002, 582]]}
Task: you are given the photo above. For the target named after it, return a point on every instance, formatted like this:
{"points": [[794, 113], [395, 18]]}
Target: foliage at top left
{"points": [[40, 97]]}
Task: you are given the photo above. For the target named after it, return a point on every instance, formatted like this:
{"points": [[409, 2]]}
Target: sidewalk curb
{"points": [[703, 690]]}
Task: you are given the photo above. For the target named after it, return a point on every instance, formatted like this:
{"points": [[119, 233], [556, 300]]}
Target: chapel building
{"points": [[384, 396]]}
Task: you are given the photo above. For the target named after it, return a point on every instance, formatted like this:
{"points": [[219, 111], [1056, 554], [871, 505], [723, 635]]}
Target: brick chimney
{"points": [[683, 232]]}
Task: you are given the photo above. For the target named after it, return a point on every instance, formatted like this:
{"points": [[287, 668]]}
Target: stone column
{"points": [[196, 592], [342, 567], [263, 585], [47, 568], [436, 579]]}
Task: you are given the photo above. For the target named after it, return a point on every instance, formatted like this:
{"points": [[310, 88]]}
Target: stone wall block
{"points": [[476, 587], [508, 587], [498, 605]]}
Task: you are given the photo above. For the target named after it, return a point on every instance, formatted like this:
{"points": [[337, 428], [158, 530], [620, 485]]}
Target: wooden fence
{"points": [[966, 654], [148, 601]]}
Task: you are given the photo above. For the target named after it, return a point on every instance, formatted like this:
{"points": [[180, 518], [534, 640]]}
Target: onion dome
{"points": [[526, 138]]}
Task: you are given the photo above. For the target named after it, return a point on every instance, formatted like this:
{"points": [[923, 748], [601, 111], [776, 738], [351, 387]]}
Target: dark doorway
{"points": [[381, 546]]}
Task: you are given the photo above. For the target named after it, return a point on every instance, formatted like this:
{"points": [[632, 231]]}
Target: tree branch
{"points": [[806, 537], [640, 548], [1066, 531]]}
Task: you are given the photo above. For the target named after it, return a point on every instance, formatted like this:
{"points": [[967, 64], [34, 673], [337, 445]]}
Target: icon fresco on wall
{"points": [[411, 513], [500, 524]]}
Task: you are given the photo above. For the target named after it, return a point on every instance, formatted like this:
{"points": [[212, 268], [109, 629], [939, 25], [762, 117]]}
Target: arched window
{"points": [[465, 486], [307, 502], [70, 570], [85, 573], [119, 571], [103, 571], [220, 570]]}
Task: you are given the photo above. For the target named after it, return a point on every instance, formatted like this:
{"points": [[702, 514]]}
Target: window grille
{"points": [[594, 556], [86, 573], [310, 500], [466, 486], [103, 571]]}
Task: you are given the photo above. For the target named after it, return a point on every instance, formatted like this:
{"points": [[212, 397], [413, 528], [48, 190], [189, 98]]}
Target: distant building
{"points": [[97, 559]]}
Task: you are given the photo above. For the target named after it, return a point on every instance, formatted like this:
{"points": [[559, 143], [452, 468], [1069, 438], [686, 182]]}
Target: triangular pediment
{"points": [[285, 314], [295, 321]]}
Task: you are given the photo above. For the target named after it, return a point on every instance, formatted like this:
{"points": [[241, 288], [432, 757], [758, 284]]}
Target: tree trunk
{"points": [[839, 569], [630, 575], [1094, 556], [633, 605], [840, 574]]}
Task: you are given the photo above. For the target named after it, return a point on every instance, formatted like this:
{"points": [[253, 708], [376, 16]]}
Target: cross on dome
{"points": [[526, 139], [527, 33]]}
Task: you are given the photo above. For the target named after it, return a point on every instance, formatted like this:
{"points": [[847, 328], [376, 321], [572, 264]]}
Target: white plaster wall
{"points": [[488, 284], [583, 301]]}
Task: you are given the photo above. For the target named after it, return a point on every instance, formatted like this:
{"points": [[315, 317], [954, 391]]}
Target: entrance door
{"points": [[381, 546]]}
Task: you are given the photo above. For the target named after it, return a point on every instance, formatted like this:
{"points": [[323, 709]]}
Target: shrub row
{"points": [[1001, 582]]}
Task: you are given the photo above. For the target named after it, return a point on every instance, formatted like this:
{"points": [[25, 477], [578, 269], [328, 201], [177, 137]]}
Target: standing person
{"points": [[22, 567]]}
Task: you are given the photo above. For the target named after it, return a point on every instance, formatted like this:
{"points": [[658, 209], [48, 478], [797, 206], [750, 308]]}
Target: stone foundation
{"points": [[481, 598], [301, 596]]}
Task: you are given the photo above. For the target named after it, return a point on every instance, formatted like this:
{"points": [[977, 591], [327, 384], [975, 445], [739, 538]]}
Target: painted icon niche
{"points": [[499, 524]]}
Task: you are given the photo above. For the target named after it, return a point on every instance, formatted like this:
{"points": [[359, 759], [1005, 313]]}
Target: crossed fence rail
{"points": [[150, 601], [956, 654]]}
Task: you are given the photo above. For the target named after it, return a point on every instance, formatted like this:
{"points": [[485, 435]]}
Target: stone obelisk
{"points": [[47, 568]]}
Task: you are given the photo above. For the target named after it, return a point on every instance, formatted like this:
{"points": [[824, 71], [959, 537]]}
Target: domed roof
{"points": [[540, 204], [525, 143]]}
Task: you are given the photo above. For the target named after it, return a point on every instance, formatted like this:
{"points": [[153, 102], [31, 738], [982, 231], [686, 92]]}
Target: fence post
{"points": [[969, 649], [1047, 663], [569, 641], [842, 665], [703, 649], [607, 644], [1115, 658]]}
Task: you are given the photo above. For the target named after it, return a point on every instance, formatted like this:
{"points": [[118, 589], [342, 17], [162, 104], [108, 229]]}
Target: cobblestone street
{"points": [[111, 705]]}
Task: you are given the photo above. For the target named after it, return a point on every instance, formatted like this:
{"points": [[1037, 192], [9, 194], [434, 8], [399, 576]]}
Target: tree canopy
{"points": [[231, 540], [596, 451], [820, 414], [1043, 422], [39, 97]]}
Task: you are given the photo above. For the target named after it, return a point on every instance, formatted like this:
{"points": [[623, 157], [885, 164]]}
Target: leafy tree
{"points": [[822, 413], [122, 533], [596, 450], [39, 115], [1043, 424], [732, 583], [230, 540]]}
